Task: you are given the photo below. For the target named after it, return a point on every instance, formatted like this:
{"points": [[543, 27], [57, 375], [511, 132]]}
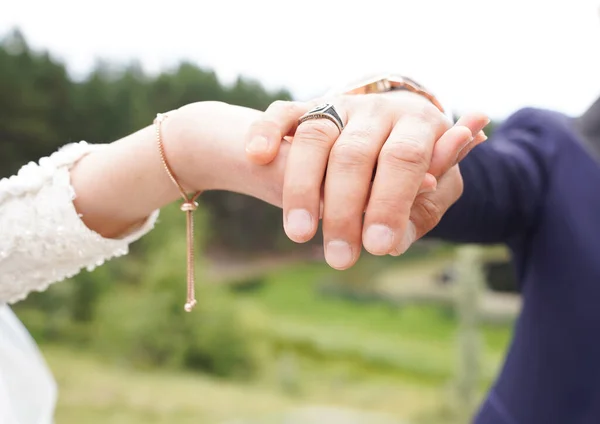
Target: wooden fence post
{"points": [[469, 290]]}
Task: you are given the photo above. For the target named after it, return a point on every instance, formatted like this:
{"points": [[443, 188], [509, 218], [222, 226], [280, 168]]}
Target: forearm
{"points": [[118, 187], [86, 203]]}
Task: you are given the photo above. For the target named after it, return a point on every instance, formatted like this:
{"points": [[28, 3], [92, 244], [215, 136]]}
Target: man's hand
{"points": [[408, 140]]}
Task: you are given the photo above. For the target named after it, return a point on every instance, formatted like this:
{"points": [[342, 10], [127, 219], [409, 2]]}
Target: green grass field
{"points": [[92, 391], [411, 340], [319, 350]]}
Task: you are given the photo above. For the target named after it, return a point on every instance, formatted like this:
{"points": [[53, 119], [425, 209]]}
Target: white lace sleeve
{"points": [[42, 238]]}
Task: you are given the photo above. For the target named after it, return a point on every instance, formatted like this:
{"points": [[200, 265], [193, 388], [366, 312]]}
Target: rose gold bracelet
{"points": [[188, 206]]}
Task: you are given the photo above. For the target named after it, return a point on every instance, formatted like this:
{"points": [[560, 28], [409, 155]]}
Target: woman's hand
{"points": [[402, 134], [204, 142], [119, 186]]}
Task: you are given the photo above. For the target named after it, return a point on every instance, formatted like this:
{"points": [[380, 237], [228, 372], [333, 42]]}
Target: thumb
{"points": [[266, 134]]}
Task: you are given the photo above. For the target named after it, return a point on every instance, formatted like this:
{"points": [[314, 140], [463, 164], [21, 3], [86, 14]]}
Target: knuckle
{"points": [[408, 154], [294, 109], [300, 189], [446, 122], [368, 104], [317, 133], [429, 213], [359, 136], [428, 113], [375, 104], [351, 153], [387, 207], [429, 209], [284, 108]]}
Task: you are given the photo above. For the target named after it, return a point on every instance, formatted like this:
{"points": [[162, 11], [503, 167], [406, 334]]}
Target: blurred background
{"points": [[278, 337]]}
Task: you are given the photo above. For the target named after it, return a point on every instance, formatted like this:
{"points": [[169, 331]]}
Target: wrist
{"points": [[393, 83], [205, 147], [416, 100], [193, 146]]}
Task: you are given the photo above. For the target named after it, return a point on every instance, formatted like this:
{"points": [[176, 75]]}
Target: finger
{"points": [[447, 149], [475, 122], [305, 170], [402, 165], [455, 140], [477, 140], [429, 209], [347, 185], [265, 135], [427, 186]]}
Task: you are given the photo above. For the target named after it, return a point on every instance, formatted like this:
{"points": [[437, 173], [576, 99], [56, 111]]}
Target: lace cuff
{"points": [[42, 238]]}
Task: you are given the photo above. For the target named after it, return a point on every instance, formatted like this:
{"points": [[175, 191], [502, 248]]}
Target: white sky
{"points": [[494, 56]]}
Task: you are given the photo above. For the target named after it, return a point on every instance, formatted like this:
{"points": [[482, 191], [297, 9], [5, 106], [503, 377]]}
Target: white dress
{"points": [[42, 241]]}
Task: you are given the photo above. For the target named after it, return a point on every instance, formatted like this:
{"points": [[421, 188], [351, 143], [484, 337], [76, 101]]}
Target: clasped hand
{"points": [[383, 182]]}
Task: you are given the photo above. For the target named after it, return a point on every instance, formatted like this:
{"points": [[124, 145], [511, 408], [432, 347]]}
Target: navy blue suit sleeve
{"points": [[504, 184]]}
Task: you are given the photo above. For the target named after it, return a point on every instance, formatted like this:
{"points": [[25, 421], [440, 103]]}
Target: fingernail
{"points": [[379, 239], [484, 124], [407, 239], [299, 223], [338, 254], [480, 137], [258, 143]]}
